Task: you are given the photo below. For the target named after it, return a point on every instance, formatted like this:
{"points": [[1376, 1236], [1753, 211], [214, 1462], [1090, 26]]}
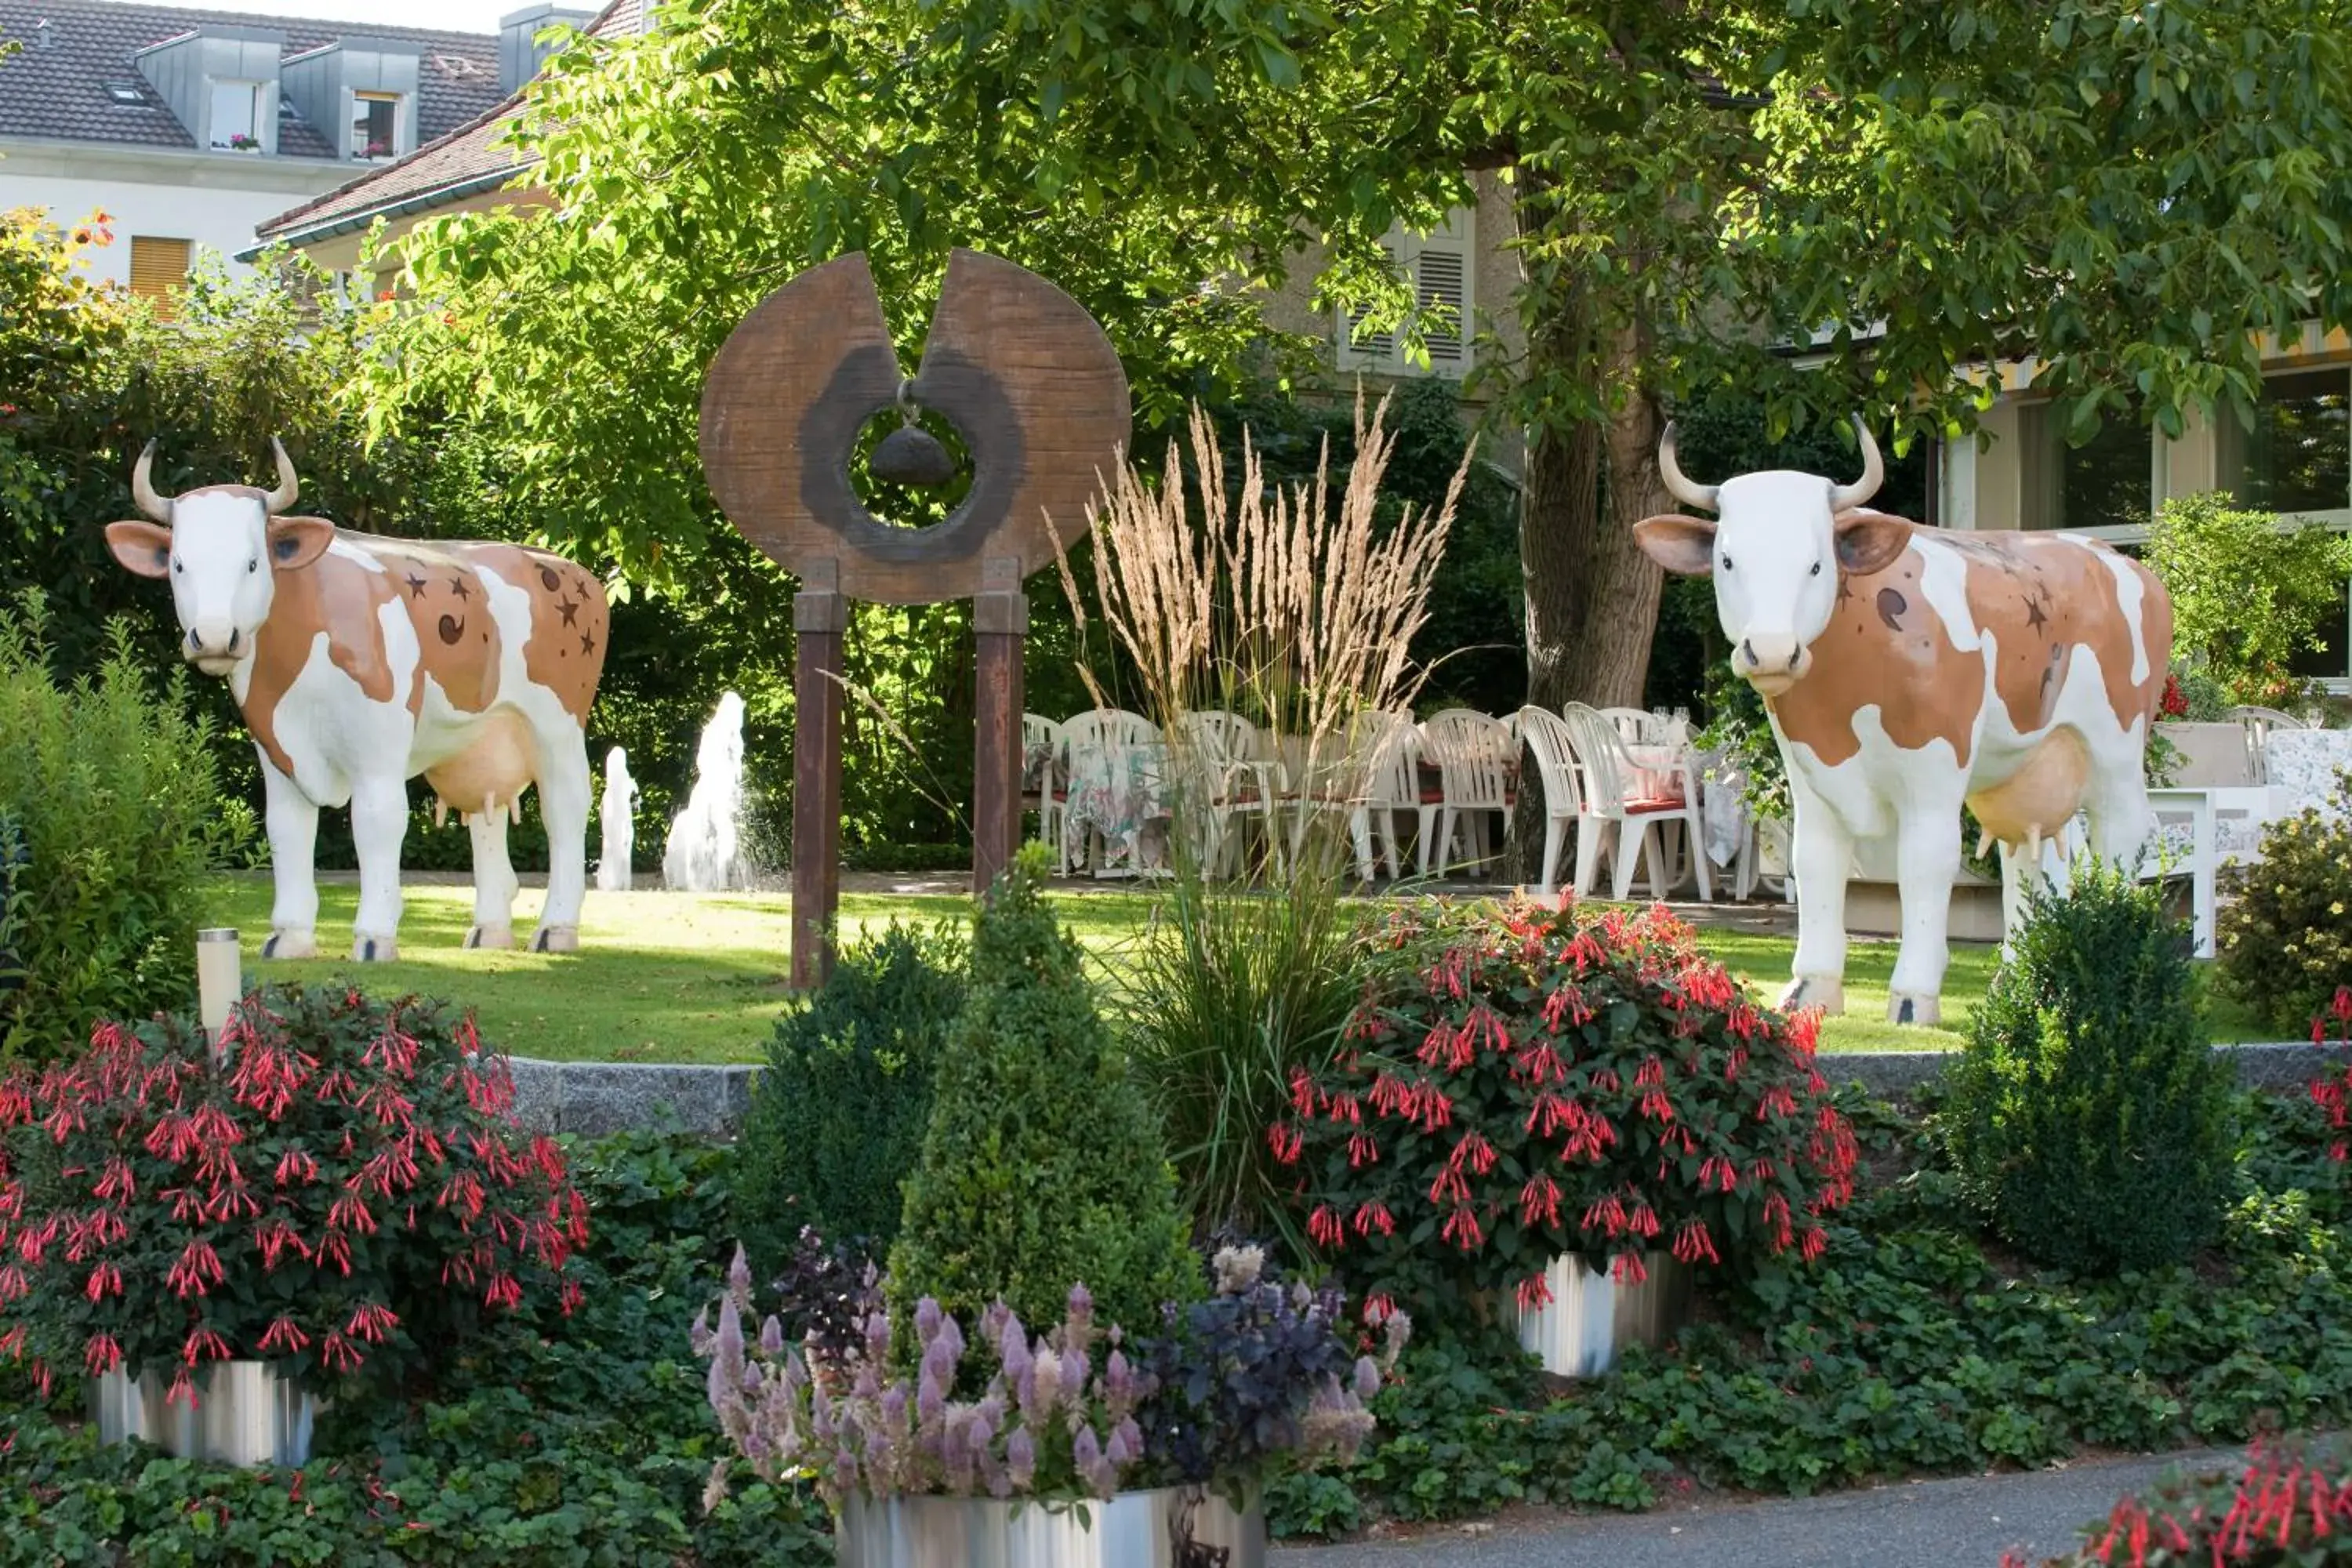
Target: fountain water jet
{"points": [[705, 853], [619, 820]]}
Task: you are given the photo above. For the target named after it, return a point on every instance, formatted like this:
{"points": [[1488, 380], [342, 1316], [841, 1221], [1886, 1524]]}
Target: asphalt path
{"points": [[1966, 1522]]}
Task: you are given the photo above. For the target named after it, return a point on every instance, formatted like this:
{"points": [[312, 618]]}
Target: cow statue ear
{"points": [[1683, 545], [144, 548], [1870, 541], [296, 542]]}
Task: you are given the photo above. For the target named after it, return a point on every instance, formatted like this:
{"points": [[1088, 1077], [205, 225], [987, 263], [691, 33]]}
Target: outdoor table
{"points": [[1120, 793]]}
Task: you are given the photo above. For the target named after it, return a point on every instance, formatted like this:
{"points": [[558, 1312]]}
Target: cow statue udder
{"points": [[360, 662], [1909, 671]]}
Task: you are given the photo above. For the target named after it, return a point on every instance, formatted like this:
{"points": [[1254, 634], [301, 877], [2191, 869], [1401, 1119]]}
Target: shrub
{"points": [[836, 1120], [2088, 1117], [1523, 1084], [117, 814], [2247, 596], [2286, 934], [1041, 1167], [345, 1189]]}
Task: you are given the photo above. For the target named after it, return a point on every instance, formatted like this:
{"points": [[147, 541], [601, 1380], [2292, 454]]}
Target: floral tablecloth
{"points": [[1120, 793]]}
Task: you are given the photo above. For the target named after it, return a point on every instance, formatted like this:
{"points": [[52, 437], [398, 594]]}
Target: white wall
{"points": [[213, 199]]}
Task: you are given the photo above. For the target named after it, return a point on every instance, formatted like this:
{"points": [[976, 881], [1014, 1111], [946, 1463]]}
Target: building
{"points": [[2297, 461], [465, 169], [190, 128]]}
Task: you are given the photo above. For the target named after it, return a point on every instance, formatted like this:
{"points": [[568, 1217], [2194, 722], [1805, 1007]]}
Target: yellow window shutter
{"points": [[158, 267]]}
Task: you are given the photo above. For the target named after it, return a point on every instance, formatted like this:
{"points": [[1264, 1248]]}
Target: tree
{"points": [[2129, 194], [2248, 593]]}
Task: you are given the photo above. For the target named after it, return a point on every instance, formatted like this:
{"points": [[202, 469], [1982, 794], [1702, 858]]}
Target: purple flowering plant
{"points": [[1255, 1377], [1056, 1418]]}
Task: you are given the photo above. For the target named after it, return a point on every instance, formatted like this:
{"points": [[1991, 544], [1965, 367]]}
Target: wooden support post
{"points": [[820, 616], [1000, 616]]}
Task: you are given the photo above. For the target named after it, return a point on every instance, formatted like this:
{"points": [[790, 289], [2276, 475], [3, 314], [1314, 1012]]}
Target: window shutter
{"points": [[157, 268], [1372, 351]]}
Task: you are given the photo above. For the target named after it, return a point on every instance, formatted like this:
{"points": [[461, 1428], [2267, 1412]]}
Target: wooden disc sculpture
{"points": [[1036, 393]]}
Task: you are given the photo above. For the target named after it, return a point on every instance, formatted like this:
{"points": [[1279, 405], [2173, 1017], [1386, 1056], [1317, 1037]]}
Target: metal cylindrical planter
{"points": [[1591, 1316], [1171, 1527], [245, 1414]]}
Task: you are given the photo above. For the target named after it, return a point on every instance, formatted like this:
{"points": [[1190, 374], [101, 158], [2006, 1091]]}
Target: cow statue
{"points": [[359, 662], [1907, 671]]}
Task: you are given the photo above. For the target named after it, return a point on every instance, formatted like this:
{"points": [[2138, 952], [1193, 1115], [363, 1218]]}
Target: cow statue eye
{"points": [[1726, 563], [1817, 568], [253, 565], [177, 566]]}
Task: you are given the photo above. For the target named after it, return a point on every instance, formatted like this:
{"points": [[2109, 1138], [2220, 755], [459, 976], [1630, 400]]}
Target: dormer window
{"points": [[237, 110], [375, 125], [124, 92]]}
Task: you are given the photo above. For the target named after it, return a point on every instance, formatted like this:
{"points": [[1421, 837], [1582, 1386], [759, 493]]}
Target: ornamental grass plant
{"points": [[1522, 1083], [1292, 611], [343, 1194]]}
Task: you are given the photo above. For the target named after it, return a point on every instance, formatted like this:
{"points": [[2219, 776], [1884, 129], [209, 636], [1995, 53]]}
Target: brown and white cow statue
{"points": [[360, 662], [1908, 670]]}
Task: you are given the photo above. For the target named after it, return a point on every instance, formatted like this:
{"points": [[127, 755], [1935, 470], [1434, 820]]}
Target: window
{"points": [[124, 92], [2108, 483], [375, 118], [237, 116], [2297, 459], [1439, 266], [157, 268]]}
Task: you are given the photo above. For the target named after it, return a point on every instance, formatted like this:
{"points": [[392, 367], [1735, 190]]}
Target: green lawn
{"points": [[699, 978]]}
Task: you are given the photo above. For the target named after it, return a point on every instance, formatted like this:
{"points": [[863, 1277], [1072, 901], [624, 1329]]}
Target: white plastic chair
{"points": [[1555, 752], [1613, 793], [1106, 733], [1220, 761], [1474, 756], [1039, 733]]}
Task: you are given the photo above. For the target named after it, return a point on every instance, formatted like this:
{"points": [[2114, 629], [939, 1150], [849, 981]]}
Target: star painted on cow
{"points": [[415, 586], [2036, 615], [568, 608], [457, 586], [587, 642]]}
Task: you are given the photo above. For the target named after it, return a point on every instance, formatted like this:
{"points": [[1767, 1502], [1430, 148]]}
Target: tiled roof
{"points": [[57, 85], [464, 159]]}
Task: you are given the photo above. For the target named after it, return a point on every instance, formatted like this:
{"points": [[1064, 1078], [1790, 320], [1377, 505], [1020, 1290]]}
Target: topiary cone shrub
{"points": [[1520, 1084], [2089, 1120], [346, 1197], [837, 1119], [1041, 1166]]}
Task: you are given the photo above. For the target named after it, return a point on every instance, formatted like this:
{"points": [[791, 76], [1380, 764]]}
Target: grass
{"points": [[680, 977]]}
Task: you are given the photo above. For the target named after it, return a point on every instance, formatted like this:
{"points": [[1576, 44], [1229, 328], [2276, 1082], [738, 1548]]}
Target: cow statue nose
{"points": [[214, 639], [1773, 660]]}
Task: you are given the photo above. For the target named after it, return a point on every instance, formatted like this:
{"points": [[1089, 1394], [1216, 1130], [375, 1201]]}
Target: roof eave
{"points": [[350, 223]]}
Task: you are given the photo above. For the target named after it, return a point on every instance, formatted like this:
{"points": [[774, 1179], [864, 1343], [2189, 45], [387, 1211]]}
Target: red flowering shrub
{"points": [[346, 1190], [2288, 1504], [1520, 1084]]}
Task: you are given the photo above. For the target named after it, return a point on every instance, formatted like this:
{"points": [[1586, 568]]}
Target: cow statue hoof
{"points": [[1825, 992], [290, 945], [556, 939], [490, 936], [1926, 1011], [366, 948]]}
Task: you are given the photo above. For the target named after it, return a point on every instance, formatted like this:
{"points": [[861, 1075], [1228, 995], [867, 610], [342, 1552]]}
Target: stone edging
{"points": [[598, 1098]]}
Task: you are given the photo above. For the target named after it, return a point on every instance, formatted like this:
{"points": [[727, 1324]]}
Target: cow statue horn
{"points": [[281, 497], [1676, 484], [1844, 498], [142, 489]]}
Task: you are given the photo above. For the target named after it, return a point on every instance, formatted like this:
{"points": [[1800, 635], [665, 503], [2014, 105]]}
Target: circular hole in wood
{"points": [[910, 476]]}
